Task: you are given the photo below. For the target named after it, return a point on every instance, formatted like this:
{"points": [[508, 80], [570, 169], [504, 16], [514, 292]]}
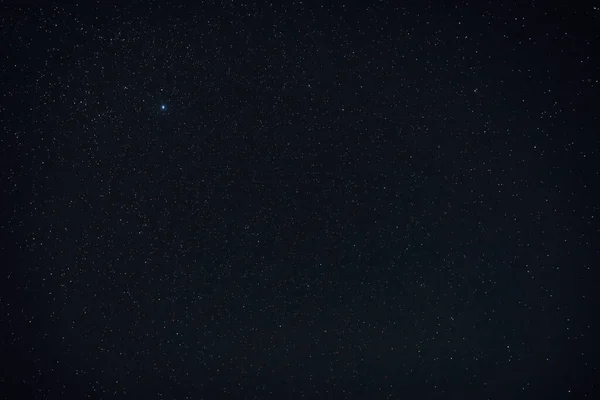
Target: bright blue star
{"points": [[163, 107]]}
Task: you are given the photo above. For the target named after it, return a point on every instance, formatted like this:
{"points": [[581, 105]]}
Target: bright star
{"points": [[163, 107]]}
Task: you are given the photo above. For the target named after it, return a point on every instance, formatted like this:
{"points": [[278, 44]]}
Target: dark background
{"points": [[361, 201]]}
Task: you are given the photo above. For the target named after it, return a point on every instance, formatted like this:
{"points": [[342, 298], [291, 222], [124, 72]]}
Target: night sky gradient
{"points": [[223, 201]]}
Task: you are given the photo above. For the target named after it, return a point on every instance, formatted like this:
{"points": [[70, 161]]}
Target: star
{"points": [[163, 107]]}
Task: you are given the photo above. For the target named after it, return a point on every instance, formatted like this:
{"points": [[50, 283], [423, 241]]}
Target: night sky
{"points": [[228, 201]]}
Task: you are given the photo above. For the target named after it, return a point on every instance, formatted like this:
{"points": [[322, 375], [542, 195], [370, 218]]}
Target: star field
{"points": [[294, 201]]}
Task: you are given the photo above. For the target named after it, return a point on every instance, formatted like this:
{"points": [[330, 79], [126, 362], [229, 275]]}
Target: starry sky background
{"points": [[342, 201]]}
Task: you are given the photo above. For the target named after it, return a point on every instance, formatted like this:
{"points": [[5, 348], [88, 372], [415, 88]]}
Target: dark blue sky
{"points": [[383, 201]]}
